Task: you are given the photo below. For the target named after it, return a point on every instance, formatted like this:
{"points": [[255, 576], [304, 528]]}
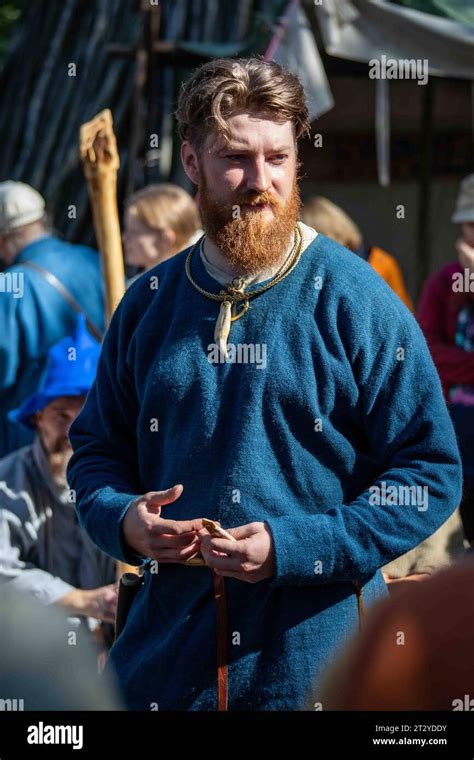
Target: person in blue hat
{"points": [[43, 550]]}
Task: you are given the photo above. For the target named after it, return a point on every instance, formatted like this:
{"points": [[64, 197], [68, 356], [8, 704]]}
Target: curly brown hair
{"points": [[224, 86]]}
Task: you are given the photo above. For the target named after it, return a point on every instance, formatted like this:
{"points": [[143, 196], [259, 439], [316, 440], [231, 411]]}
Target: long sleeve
{"points": [[409, 431], [104, 468], [453, 364], [10, 340], [23, 334], [21, 575]]}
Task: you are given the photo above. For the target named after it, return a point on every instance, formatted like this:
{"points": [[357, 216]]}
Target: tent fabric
{"points": [[363, 30], [298, 52], [458, 10]]}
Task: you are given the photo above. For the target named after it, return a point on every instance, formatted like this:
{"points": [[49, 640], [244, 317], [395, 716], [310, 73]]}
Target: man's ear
{"points": [[190, 162]]}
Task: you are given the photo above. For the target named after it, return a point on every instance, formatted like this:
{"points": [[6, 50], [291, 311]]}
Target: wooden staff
{"points": [[100, 160]]}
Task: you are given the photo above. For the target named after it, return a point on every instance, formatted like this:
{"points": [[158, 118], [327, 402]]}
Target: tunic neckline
{"points": [[207, 282]]}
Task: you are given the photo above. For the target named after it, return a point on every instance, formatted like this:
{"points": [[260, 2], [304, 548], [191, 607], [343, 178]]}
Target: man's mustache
{"points": [[265, 199]]}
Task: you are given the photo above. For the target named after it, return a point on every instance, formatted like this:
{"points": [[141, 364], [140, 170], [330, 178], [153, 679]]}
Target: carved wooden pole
{"points": [[100, 160]]}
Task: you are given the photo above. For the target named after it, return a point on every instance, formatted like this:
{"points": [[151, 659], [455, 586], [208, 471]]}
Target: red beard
{"points": [[250, 242]]}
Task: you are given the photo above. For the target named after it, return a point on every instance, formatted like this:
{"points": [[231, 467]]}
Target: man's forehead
{"points": [[248, 131]]}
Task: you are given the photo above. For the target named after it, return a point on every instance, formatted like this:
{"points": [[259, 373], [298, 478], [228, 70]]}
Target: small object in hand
{"points": [[215, 529], [195, 561]]}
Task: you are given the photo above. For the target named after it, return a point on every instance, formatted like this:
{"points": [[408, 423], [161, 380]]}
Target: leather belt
{"points": [[221, 629], [221, 633]]}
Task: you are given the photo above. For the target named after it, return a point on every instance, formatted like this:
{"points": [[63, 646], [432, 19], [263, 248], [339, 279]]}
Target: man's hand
{"points": [[250, 558], [97, 603], [150, 535]]}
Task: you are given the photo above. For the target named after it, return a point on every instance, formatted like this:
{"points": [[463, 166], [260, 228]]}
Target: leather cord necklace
{"points": [[235, 296]]}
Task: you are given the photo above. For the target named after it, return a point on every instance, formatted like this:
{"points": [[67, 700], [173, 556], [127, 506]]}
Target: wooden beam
{"points": [[168, 53], [423, 232], [152, 94]]}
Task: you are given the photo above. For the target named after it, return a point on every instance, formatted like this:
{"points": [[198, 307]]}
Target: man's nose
{"points": [[257, 178]]}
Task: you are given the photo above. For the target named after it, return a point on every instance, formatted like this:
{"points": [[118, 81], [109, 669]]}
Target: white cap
{"points": [[19, 204], [465, 202]]}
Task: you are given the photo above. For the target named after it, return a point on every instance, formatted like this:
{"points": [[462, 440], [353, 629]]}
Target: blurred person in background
{"points": [[437, 552], [414, 652], [43, 666], [326, 217], [43, 550], [45, 282], [446, 316], [160, 221]]}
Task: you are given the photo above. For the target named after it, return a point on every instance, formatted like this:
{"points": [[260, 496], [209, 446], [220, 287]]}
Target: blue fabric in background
{"points": [[31, 324], [246, 444]]}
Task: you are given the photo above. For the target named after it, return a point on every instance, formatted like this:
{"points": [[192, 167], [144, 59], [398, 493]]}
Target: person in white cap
{"points": [[446, 316], [44, 283], [22, 218]]}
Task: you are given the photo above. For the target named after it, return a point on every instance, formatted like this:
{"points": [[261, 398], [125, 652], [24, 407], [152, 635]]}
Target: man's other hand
{"points": [[152, 536]]}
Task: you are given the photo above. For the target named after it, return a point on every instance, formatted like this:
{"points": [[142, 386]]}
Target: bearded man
{"points": [[288, 454]]}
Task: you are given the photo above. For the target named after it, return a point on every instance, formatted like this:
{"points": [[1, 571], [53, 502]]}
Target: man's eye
{"points": [[236, 157], [278, 158]]}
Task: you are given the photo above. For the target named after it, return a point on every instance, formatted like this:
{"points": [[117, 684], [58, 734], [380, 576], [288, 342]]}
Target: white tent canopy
{"points": [[361, 30]]}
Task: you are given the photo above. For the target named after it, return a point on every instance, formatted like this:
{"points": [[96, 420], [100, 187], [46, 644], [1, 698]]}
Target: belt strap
{"points": [[360, 604], [221, 628], [64, 292]]}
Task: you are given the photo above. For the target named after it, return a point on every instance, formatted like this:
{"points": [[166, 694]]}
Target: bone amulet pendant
{"points": [[222, 329]]}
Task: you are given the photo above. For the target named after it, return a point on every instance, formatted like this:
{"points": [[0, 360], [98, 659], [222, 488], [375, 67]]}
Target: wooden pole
{"points": [[152, 93], [424, 187], [100, 160]]}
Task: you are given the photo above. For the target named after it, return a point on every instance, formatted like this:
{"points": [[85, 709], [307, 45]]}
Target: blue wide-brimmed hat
{"points": [[70, 371]]}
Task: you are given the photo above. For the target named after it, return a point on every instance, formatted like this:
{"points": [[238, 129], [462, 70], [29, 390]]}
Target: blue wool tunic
{"points": [[349, 398]]}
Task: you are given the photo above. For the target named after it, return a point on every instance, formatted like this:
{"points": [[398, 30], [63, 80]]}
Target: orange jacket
{"points": [[387, 267]]}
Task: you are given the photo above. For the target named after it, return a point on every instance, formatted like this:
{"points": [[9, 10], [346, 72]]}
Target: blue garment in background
{"points": [[349, 398], [31, 324]]}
